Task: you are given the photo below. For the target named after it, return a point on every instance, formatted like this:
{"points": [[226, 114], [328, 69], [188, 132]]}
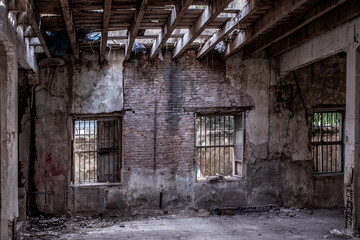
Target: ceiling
{"points": [[224, 25]]}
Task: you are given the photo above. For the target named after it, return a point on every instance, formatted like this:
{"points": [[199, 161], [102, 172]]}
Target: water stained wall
{"points": [[158, 100]]}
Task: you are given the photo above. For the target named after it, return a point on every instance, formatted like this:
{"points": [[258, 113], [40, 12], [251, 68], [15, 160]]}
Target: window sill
{"points": [[103, 184], [328, 174], [213, 179]]}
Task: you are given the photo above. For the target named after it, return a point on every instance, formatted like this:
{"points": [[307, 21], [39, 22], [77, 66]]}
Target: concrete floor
{"points": [[279, 224]]}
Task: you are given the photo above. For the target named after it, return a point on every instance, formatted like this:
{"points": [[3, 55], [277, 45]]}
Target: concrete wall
{"points": [[160, 101], [321, 84]]}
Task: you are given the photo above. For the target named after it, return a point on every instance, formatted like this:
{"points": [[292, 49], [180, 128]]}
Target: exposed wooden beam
{"points": [[29, 7], [105, 29], [270, 19], [208, 15], [134, 29], [335, 17], [230, 26], [172, 21], [295, 23], [66, 9]]}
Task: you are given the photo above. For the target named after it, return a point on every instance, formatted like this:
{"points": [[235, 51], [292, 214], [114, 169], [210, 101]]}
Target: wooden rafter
{"points": [[175, 17], [208, 15], [66, 9], [134, 29], [230, 26], [267, 21], [28, 6], [291, 26], [105, 29]]}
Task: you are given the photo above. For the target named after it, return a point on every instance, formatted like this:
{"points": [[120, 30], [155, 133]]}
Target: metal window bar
{"points": [[96, 150], [326, 142], [214, 145]]}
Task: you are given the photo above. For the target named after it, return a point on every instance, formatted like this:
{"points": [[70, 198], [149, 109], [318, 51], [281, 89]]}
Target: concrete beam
{"points": [[15, 40], [319, 47], [208, 15], [293, 24]]}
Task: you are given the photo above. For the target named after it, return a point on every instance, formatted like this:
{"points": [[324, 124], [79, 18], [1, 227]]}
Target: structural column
{"points": [[352, 140], [9, 142]]}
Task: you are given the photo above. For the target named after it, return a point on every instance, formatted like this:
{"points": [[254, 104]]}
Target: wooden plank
{"points": [[335, 17], [175, 17], [105, 29], [270, 19], [66, 9], [210, 13], [296, 22], [28, 6], [230, 26], [138, 16]]}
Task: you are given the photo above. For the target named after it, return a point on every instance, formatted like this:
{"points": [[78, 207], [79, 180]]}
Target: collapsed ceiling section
{"points": [[177, 25]]}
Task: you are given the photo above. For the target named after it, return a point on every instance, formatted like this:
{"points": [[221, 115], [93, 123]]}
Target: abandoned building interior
{"points": [[138, 105]]}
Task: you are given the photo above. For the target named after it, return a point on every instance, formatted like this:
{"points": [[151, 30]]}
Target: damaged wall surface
{"points": [[161, 98]]}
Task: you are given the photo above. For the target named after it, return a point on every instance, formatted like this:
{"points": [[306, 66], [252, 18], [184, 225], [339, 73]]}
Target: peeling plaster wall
{"points": [[83, 88], [322, 83], [160, 98]]}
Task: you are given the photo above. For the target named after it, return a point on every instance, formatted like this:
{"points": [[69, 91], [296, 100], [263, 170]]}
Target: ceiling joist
{"points": [[105, 29], [267, 21], [66, 9], [208, 15], [172, 21], [134, 29], [292, 25], [28, 6]]}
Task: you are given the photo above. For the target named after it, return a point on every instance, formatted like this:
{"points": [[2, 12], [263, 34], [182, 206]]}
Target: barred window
{"points": [[327, 144], [219, 145], [96, 150]]}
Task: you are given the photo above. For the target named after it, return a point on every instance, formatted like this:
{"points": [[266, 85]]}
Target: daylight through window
{"points": [[327, 142], [96, 150], [219, 145]]}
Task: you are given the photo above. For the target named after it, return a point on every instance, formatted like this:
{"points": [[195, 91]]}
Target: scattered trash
{"points": [[336, 233], [220, 47], [88, 36], [138, 48]]}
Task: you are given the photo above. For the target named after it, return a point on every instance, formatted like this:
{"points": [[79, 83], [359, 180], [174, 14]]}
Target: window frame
{"points": [[97, 117], [322, 110], [236, 115]]}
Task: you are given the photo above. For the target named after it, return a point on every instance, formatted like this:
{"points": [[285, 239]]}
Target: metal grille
{"points": [[327, 142], [217, 139], [96, 150]]}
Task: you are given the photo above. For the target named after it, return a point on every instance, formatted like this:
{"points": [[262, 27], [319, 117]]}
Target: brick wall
{"points": [[173, 90]]}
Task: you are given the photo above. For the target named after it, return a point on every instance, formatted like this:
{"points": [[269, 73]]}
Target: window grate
{"points": [[96, 150], [219, 145], [326, 142]]}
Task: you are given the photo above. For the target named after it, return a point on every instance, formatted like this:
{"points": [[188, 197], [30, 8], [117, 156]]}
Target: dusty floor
{"points": [[274, 224]]}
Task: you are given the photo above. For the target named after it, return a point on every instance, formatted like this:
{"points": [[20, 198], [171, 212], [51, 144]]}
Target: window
{"points": [[327, 142], [96, 150], [219, 145]]}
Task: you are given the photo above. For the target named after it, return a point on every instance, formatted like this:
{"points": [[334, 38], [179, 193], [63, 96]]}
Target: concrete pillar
{"points": [[8, 139], [352, 140]]}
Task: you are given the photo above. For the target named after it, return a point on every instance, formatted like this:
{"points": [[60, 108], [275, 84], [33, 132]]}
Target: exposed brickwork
{"points": [[172, 89]]}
